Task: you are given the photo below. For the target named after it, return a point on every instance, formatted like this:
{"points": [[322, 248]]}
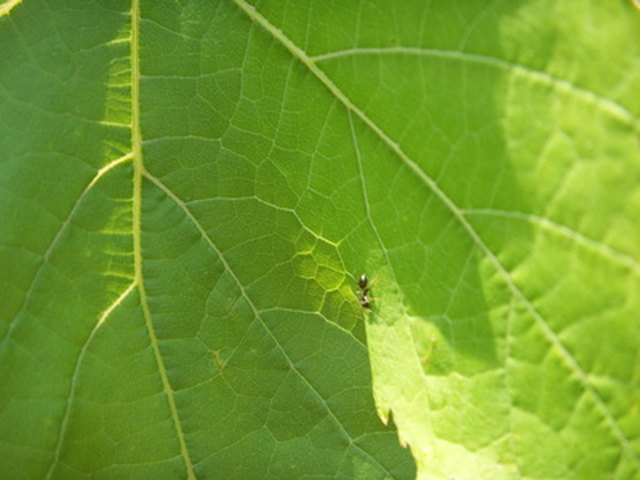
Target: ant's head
{"points": [[363, 281]]}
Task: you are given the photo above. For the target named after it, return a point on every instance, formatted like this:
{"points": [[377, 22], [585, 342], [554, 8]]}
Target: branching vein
{"points": [[54, 242], [613, 108], [570, 360], [136, 141], [256, 313], [605, 250], [74, 377]]}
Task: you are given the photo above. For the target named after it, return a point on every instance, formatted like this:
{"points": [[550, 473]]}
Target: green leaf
{"points": [[189, 191]]}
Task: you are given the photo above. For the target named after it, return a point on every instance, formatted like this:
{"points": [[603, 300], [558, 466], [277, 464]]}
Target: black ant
{"points": [[365, 298]]}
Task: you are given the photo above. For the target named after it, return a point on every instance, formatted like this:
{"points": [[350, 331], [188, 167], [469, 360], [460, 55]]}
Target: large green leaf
{"points": [[189, 190]]}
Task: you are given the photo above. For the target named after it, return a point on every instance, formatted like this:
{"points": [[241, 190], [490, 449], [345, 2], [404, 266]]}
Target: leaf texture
{"points": [[189, 191]]}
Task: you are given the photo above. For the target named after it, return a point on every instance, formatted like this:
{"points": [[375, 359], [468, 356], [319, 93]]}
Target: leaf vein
{"points": [[579, 238], [256, 312], [608, 105], [298, 53], [74, 376], [136, 142], [54, 241]]}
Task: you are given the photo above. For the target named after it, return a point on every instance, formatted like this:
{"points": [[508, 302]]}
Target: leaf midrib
{"points": [[571, 361], [138, 170]]}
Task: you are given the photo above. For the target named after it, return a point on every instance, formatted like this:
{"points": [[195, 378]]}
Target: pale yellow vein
{"points": [[74, 376], [136, 141]]}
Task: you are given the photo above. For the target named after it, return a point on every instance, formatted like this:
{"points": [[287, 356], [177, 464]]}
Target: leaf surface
{"points": [[189, 192]]}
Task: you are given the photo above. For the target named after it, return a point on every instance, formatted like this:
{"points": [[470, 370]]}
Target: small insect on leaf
{"points": [[365, 297]]}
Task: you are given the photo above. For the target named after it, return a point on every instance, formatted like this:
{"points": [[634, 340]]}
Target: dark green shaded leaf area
{"points": [[189, 191]]}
